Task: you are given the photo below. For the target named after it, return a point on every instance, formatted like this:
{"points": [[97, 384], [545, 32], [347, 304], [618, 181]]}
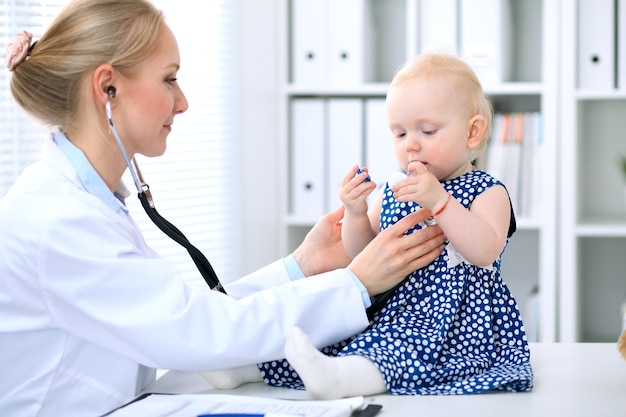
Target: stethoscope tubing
{"points": [[202, 263], [145, 197]]}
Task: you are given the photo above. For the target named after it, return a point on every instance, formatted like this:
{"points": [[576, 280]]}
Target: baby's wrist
{"points": [[354, 212], [441, 205]]}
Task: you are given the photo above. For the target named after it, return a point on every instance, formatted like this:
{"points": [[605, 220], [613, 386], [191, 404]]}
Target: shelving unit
{"points": [[593, 206], [531, 258]]}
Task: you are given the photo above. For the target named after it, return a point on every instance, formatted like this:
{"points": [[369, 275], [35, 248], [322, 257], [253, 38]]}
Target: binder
{"points": [[307, 158], [332, 42], [380, 157], [596, 44], [621, 44], [532, 166], [349, 40], [345, 143], [438, 26], [309, 42], [486, 38]]}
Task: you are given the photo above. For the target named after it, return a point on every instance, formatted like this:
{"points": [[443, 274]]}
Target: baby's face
{"points": [[430, 124]]}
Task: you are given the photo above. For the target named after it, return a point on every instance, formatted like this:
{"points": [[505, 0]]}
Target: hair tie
{"points": [[18, 50], [30, 50]]}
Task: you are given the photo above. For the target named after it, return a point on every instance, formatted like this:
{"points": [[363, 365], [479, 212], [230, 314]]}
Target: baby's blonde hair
{"points": [[86, 34], [458, 72]]}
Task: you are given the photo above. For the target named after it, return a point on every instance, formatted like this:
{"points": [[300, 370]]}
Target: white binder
{"points": [[380, 157], [307, 158], [331, 42], [309, 50], [596, 44], [438, 26], [345, 143], [349, 42], [485, 38], [621, 45]]}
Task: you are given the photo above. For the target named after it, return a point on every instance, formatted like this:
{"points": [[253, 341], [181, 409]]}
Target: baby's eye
{"points": [[429, 131]]}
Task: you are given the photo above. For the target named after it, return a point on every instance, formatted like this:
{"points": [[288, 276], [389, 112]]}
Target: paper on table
{"points": [[191, 405]]}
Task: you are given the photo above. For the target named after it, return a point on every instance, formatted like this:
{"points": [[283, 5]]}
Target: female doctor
{"points": [[88, 309]]}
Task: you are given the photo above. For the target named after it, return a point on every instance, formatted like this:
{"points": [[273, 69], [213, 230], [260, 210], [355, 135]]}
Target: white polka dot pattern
{"points": [[446, 330]]}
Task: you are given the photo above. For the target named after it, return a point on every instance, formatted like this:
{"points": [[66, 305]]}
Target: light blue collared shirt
{"points": [[88, 177]]}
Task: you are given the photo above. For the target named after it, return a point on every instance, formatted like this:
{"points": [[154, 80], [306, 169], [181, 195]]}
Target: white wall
{"points": [[258, 131]]}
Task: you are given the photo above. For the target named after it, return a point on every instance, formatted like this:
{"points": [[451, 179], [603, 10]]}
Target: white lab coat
{"points": [[88, 309]]}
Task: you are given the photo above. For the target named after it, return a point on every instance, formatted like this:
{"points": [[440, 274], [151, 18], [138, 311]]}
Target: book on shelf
{"points": [[514, 156]]}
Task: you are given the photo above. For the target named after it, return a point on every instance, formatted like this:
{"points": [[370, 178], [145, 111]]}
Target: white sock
{"points": [[327, 377], [232, 378]]}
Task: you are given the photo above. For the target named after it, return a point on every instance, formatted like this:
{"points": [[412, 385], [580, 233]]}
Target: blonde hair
{"points": [[464, 79], [86, 34]]}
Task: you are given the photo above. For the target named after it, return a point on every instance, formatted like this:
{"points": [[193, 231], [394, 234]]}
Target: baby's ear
{"points": [[476, 132]]}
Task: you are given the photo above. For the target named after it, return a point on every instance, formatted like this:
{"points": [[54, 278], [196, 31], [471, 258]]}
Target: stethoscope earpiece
{"points": [[145, 197]]}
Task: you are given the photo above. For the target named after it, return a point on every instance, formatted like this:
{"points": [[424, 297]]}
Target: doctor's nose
{"points": [[180, 102]]}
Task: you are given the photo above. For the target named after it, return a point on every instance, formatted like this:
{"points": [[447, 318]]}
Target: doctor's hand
{"points": [[391, 256], [322, 249]]}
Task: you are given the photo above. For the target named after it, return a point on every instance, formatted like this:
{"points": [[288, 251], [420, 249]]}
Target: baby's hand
{"points": [[355, 188], [421, 186]]}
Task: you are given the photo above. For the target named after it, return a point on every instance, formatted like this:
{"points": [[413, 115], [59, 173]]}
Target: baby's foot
{"points": [[313, 367], [328, 377]]}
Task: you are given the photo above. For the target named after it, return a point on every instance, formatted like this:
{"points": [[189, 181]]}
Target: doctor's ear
{"points": [[103, 81]]}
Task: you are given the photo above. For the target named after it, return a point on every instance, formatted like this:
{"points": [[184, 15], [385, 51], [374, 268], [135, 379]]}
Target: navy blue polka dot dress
{"points": [[450, 328]]}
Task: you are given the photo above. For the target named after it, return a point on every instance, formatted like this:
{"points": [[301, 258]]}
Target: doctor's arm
{"points": [[321, 251], [383, 263]]}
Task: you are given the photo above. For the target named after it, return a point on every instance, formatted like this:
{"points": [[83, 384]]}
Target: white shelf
{"points": [[371, 89], [602, 228], [593, 218], [532, 253], [380, 89], [600, 95]]}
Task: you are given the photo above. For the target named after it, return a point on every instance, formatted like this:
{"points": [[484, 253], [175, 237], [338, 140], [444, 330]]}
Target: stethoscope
{"points": [[143, 190]]}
